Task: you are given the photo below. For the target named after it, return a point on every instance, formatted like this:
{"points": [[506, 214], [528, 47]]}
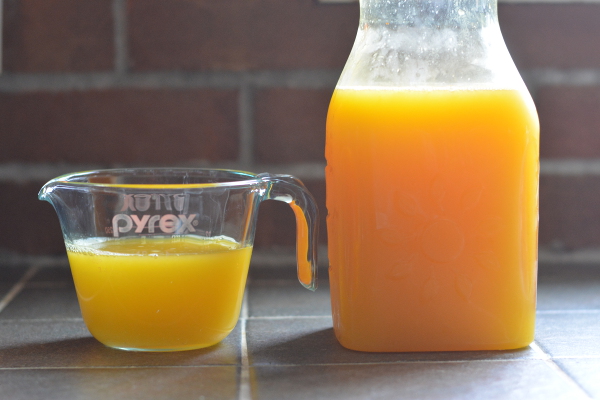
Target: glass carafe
{"points": [[432, 183]]}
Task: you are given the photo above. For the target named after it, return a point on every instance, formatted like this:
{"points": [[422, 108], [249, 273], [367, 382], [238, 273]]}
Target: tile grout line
{"points": [[396, 362], [92, 367], [268, 365], [568, 311], [40, 320], [244, 391], [16, 289], [553, 365]]}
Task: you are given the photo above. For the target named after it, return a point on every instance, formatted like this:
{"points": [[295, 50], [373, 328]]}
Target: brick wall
{"points": [[246, 84]]}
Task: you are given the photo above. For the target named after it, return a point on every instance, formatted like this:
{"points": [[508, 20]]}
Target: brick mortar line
{"points": [[246, 127], [558, 76], [499, 1], [302, 79], [1, 30], [36, 172], [40, 172], [285, 257], [120, 36], [570, 167], [8, 259], [580, 256]]}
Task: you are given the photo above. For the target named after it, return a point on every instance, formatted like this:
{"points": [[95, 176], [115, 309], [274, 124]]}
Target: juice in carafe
{"points": [[432, 218], [159, 293]]}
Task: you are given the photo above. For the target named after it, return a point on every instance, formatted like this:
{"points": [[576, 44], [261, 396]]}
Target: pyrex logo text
{"points": [[167, 223]]}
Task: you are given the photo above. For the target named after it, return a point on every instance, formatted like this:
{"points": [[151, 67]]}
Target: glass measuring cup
{"points": [[160, 256]]}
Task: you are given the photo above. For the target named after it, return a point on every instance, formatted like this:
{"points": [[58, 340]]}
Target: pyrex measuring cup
{"points": [[160, 256]]}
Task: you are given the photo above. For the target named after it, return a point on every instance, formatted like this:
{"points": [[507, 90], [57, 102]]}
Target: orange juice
{"points": [[432, 199], [159, 293]]}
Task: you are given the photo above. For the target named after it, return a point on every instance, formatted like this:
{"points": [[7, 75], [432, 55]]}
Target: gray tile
{"points": [[523, 379], [8, 277], [301, 341], [120, 383], [286, 270], [55, 301], [569, 288], [11, 274], [53, 274], [35, 343], [4, 289], [585, 371], [287, 298], [569, 334]]}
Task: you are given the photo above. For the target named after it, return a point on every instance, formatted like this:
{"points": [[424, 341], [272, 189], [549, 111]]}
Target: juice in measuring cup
{"points": [[432, 199], [172, 293]]}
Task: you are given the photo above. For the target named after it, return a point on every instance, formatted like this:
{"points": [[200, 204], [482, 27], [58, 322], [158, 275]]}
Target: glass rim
{"points": [[237, 178]]}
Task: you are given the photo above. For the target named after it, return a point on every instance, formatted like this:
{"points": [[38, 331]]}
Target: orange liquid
{"points": [[159, 294], [433, 207]]}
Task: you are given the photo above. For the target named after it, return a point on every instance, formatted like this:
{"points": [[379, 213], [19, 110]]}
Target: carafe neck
{"points": [[434, 14], [429, 43]]}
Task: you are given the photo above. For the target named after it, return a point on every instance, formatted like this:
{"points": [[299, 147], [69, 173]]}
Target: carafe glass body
{"points": [[432, 183]]}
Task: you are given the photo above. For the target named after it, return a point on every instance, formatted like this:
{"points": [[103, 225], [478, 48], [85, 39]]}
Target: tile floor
{"points": [[284, 348]]}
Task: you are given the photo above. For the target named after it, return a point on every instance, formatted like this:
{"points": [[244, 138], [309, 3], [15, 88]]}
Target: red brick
{"points": [[120, 126], [58, 35], [569, 212], [276, 222], [290, 125], [569, 121], [28, 226], [239, 34], [551, 35]]}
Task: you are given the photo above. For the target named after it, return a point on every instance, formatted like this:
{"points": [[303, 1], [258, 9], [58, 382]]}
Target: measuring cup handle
{"points": [[291, 190]]}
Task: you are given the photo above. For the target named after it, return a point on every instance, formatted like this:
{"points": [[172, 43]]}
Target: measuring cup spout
{"points": [[54, 193], [74, 206], [292, 191], [49, 192]]}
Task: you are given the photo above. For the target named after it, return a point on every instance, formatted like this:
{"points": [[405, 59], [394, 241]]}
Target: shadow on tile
{"points": [[519, 379], [69, 344], [287, 298], [49, 302], [217, 382], [305, 341]]}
